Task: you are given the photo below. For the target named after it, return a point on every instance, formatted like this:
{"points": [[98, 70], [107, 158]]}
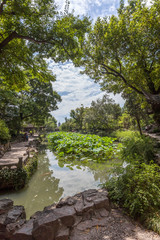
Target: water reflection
{"points": [[43, 189], [55, 179]]}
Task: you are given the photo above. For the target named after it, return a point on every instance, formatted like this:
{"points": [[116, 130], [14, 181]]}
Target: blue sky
{"points": [[75, 88]]}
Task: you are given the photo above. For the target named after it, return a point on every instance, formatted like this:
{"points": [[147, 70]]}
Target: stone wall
{"points": [[68, 219]]}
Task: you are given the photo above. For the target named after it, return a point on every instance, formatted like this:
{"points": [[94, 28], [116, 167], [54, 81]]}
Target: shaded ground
{"points": [[117, 227]]}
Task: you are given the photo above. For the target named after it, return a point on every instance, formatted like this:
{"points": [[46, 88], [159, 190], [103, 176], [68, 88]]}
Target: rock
{"points": [[11, 218], [66, 215], [15, 214], [25, 232], [5, 205], [63, 233], [71, 216], [45, 228]]}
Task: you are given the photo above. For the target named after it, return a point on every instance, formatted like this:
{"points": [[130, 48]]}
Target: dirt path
{"points": [[117, 227]]}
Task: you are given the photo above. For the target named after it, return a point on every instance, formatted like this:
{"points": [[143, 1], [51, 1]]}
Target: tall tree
{"points": [[123, 52]]}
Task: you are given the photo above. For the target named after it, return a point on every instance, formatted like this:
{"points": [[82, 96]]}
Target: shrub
{"points": [[12, 178], [125, 135], [137, 189], [4, 132], [31, 166], [138, 147]]}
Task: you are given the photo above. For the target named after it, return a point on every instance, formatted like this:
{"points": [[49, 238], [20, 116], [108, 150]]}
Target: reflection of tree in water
{"points": [[100, 171], [44, 189]]}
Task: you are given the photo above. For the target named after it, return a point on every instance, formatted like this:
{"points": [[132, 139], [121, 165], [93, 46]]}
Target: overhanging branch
{"points": [[118, 74]]}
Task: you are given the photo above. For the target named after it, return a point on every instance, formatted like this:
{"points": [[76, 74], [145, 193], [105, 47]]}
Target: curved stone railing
{"points": [[70, 218]]}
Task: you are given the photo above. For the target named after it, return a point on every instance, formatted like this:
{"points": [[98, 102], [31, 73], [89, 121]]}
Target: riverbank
{"points": [[88, 215]]}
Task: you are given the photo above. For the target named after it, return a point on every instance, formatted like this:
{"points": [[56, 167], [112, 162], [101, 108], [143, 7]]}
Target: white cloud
{"points": [[75, 89], [93, 8]]}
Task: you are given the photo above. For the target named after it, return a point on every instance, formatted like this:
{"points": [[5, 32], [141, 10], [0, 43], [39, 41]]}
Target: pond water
{"points": [[55, 179]]}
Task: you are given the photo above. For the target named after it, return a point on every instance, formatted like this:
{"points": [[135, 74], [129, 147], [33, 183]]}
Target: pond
{"points": [[55, 179]]}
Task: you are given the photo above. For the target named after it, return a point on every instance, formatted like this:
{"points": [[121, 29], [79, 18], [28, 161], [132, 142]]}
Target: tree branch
{"points": [[15, 35], [118, 74], [1, 6]]}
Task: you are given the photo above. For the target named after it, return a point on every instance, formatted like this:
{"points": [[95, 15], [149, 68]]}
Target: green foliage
{"points": [[137, 189], [17, 178], [30, 32], [125, 135], [13, 178], [32, 105], [79, 146], [4, 132], [122, 52], [152, 221], [50, 124], [31, 166], [138, 147], [100, 118], [125, 121], [69, 125]]}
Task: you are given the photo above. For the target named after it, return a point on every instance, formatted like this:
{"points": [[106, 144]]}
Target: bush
{"points": [[125, 135], [138, 147], [31, 166], [12, 178], [4, 132], [137, 189]]}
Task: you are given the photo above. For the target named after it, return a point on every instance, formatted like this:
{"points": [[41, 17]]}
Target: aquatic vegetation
{"points": [[83, 146]]}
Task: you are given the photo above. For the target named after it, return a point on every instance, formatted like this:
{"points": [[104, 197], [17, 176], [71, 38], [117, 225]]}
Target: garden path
{"points": [[11, 158]]}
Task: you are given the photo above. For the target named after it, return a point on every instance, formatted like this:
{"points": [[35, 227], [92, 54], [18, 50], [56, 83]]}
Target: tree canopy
{"points": [[101, 117], [31, 31], [123, 52], [31, 105]]}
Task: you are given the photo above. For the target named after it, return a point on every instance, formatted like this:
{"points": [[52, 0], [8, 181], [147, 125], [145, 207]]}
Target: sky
{"points": [[75, 88]]}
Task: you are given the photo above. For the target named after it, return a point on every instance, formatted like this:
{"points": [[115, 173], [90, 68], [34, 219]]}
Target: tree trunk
{"points": [[154, 101], [139, 125]]}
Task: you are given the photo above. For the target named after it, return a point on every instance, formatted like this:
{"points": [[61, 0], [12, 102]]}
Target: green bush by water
{"points": [[78, 146], [17, 178], [137, 189], [138, 147], [31, 166], [12, 178]]}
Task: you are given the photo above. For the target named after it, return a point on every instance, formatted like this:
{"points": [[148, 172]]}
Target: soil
{"points": [[118, 227]]}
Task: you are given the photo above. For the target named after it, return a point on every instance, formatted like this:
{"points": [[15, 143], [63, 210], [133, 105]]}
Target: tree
{"points": [[77, 115], [50, 124], [134, 106], [123, 52], [30, 32], [31, 105], [4, 132], [69, 125], [102, 116]]}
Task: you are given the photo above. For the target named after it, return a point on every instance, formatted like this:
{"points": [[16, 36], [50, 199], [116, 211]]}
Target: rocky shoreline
{"points": [[85, 216], [59, 221]]}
